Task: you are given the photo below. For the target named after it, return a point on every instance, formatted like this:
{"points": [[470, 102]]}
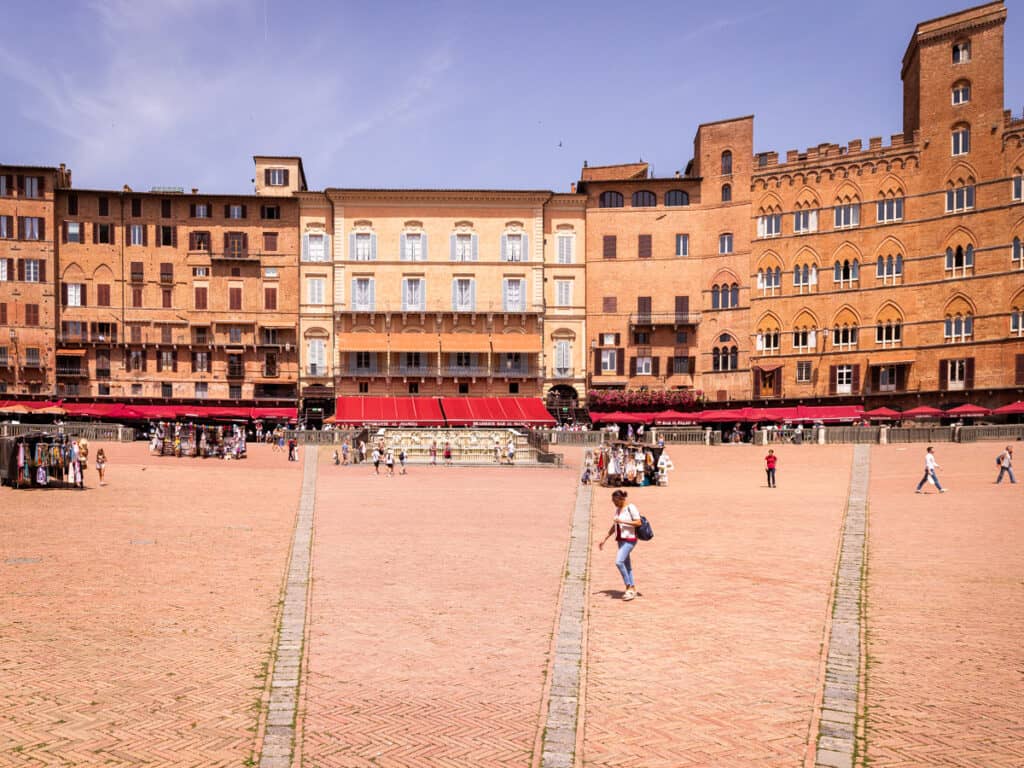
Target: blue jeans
{"points": [[925, 479], [1007, 470], [622, 562]]}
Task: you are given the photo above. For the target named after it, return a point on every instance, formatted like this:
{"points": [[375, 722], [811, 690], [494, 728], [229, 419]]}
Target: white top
{"points": [[376, 455], [627, 532], [929, 462], [1006, 459], [664, 462]]}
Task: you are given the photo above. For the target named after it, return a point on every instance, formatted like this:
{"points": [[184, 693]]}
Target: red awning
{"points": [[457, 411], [102, 410], [775, 414], [968, 410], [495, 411], [155, 411], [622, 417], [882, 413], [1012, 408], [923, 412], [279, 414], [726, 415], [830, 412], [676, 417], [389, 411]]}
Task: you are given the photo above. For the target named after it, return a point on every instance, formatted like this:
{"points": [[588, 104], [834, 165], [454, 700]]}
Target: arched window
{"points": [[1017, 254], [961, 140], [844, 336], [846, 273], [961, 92], [1017, 322], [677, 197], [735, 295], [644, 199], [889, 333], [610, 200], [962, 52], [715, 297], [734, 358], [959, 328], [960, 196], [959, 261], [726, 163], [726, 193], [716, 359]]}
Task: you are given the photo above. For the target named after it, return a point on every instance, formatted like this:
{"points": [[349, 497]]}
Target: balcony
{"points": [[466, 371], [653, 319], [364, 370], [103, 373], [236, 371], [236, 254], [315, 369], [562, 373], [514, 372], [413, 370], [379, 307], [66, 371], [271, 371]]}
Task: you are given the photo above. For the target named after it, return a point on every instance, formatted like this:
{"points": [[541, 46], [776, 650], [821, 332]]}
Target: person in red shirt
{"points": [[769, 467]]}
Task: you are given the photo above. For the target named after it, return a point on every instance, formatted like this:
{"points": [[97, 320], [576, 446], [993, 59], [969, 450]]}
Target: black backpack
{"points": [[644, 532]]}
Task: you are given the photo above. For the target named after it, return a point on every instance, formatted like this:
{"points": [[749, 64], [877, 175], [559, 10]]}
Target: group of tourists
{"points": [[1004, 461], [627, 464], [197, 440]]}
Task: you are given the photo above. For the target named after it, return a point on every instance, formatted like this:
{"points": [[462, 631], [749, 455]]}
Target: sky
{"points": [[446, 94]]}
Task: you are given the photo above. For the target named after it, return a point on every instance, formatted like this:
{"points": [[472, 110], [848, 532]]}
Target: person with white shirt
{"points": [[624, 526], [930, 465]]}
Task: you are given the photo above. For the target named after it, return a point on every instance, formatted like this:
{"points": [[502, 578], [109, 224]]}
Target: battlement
{"points": [[765, 162]]}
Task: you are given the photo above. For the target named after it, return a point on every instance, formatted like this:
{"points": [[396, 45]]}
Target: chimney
{"points": [[195, 190], [678, 175], [572, 187]]}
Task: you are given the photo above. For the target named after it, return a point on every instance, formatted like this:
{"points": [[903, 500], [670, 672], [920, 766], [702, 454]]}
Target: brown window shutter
{"points": [[620, 361], [656, 367], [943, 374], [287, 174], [778, 382], [756, 374], [682, 305], [64, 232], [95, 233], [245, 242], [85, 294], [192, 241], [618, 339], [692, 361], [191, 210], [969, 374], [643, 305], [608, 304], [670, 365], [158, 239], [10, 269], [855, 383], [270, 298], [174, 359], [227, 211], [200, 297], [103, 295], [42, 270], [3, 313], [174, 236], [21, 270], [632, 366], [63, 294], [644, 246], [227, 243], [244, 211], [145, 235], [1019, 376], [609, 247], [832, 372], [266, 177], [145, 360], [901, 378], [597, 362]]}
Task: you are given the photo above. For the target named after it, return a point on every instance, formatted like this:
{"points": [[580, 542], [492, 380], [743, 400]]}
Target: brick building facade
{"points": [[891, 272]]}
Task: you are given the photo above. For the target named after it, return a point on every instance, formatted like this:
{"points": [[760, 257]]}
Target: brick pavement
{"points": [[718, 662], [433, 605], [137, 633], [945, 612]]}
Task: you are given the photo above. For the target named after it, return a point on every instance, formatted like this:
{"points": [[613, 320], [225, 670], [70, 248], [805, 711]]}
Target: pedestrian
{"points": [[769, 467], [497, 450], [433, 452], [624, 525], [337, 459], [389, 461], [362, 451], [1005, 462], [344, 451], [376, 460], [447, 453], [930, 465], [402, 456], [101, 463], [511, 451]]}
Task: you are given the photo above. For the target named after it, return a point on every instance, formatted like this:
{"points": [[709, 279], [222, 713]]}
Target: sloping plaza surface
{"points": [[139, 620]]}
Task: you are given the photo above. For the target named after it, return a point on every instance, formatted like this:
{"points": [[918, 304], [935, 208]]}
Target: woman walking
{"points": [[624, 525], [101, 463]]}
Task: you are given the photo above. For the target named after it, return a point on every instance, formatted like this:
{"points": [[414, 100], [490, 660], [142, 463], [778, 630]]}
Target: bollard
{"points": [[883, 435], [821, 435]]}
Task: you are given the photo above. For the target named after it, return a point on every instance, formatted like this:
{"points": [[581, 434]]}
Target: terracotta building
{"points": [[27, 265], [891, 270], [456, 292], [165, 295]]}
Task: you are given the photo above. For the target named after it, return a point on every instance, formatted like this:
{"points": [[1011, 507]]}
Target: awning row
{"points": [[824, 413], [436, 412], [438, 342], [126, 412]]}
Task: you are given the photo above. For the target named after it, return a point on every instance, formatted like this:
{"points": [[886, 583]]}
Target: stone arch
{"points": [[103, 272], [889, 312], [563, 334], [769, 260], [1017, 300], [959, 304], [770, 203], [769, 322], [891, 186], [846, 251], [890, 245], [807, 198], [958, 235], [961, 173], [845, 315], [725, 275], [72, 273], [805, 318], [807, 255], [847, 192], [316, 333]]}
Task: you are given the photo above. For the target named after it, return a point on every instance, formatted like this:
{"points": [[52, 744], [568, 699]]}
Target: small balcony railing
{"points": [[317, 370], [664, 318], [413, 370], [236, 371], [515, 371], [466, 370], [271, 371], [103, 373], [70, 371], [364, 370], [562, 373]]}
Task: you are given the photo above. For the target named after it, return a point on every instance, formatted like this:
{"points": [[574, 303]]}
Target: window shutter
{"points": [[620, 360], [472, 294], [632, 366], [64, 294], [424, 241], [402, 252], [756, 372], [943, 374], [597, 362], [244, 212], [287, 174], [777, 391], [691, 365], [373, 293], [476, 247], [245, 242], [145, 234], [969, 374], [174, 237], [526, 247], [670, 365], [760, 342], [1019, 378], [21, 270], [855, 383], [832, 373], [608, 251], [655, 366], [618, 339], [174, 359], [85, 289], [504, 248], [191, 210], [42, 270], [266, 177], [901, 377], [451, 246]]}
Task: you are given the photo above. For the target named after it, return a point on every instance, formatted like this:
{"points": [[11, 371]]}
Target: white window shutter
{"points": [[476, 247], [423, 243], [405, 293], [812, 338], [814, 275], [526, 247], [760, 342], [373, 300], [373, 246], [452, 240], [472, 294], [455, 294], [328, 256], [760, 279], [354, 293], [305, 247], [505, 295], [504, 248], [760, 226], [402, 252]]}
